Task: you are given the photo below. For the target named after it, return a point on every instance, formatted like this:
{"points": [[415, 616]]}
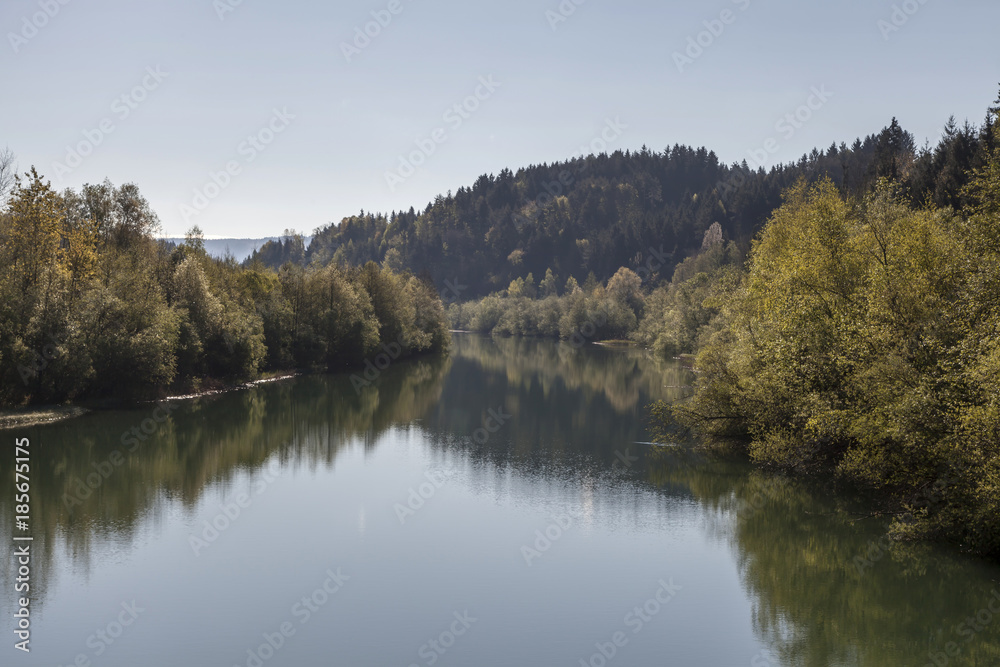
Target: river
{"points": [[499, 506]]}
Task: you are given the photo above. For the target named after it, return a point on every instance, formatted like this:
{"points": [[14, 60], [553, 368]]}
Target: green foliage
{"points": [[92, 306], [549, 285], [613, 208], [863, 338], [603, 313], [625, 287], [983, 189], [863, 341], [289, 248], [681, 316]]}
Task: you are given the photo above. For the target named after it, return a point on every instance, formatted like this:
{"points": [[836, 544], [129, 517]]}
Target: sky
{"points": [[249, 117]]}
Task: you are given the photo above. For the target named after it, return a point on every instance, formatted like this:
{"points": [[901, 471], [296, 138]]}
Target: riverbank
{"points": [[234, 387], [30, 416], [36, 416]]}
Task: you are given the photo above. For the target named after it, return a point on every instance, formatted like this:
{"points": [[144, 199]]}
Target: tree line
{"points": [[599, 213], [93, 306], [670, 317], [861, 339], [855, 336]]}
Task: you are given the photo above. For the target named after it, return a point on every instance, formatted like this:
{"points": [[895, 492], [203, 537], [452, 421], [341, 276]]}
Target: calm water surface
{"points": [[498, 507]]}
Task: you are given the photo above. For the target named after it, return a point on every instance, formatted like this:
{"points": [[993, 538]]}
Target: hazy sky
{"points": [[300, 130]]}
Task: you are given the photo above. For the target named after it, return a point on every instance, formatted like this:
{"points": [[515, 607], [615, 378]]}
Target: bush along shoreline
{"points": [[94, 308], [861, 343]]}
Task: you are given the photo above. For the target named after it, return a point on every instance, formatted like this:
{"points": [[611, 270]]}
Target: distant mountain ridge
{"points": [[240, 249], [592, 215]]}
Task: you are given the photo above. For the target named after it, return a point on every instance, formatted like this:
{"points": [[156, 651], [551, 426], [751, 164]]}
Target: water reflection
{"points": [[571, 423], [571, 406], [826, 588], [102, 478]]}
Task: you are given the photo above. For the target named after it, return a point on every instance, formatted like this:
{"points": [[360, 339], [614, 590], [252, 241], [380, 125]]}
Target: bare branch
{"points": [[8, 172]]}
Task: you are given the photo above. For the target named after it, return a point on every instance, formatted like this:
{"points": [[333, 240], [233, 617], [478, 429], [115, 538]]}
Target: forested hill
{"points": [[603, 212]]}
